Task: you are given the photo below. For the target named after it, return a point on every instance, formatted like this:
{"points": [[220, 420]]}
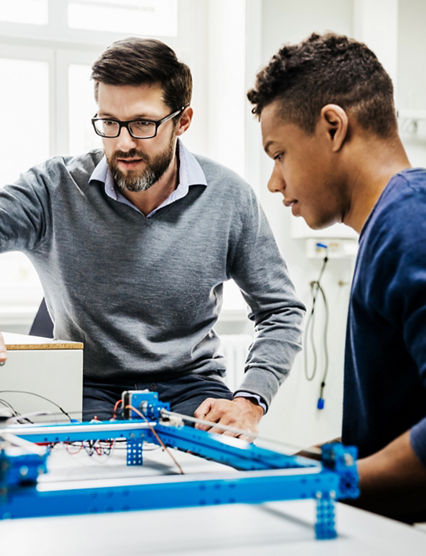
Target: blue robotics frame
{"points": [[265, 475]]}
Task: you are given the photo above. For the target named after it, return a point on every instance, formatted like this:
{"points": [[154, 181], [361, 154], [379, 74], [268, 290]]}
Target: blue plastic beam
{"points": [[252, 489]]}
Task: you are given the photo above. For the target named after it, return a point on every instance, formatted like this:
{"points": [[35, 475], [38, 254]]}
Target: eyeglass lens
{"points": [[137, 128]]}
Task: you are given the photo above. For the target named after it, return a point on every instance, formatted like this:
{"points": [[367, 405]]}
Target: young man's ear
{"points": [[335, 123], [184, 120]]}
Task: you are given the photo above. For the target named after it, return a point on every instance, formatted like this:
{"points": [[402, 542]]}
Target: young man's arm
{"points": [[393, 481]]}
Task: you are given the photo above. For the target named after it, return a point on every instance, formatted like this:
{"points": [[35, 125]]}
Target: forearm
{"points": [[393, 481], [272, 354]]}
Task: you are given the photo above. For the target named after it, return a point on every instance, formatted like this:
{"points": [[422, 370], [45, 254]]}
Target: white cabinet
{"points": [[50, 368]]}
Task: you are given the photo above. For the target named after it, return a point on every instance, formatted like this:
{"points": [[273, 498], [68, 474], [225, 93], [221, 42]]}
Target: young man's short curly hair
{"points": [[326, 69]]}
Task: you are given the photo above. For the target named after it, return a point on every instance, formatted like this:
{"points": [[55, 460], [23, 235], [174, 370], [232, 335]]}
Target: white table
{"points": [[238, 530]]}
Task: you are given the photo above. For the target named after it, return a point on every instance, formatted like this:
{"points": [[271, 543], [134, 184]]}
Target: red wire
{"points": [[117, 403], [67, 447]]}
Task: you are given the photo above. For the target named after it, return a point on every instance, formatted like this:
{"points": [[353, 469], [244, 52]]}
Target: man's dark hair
{"points": [[325, 69], [137, 61]]}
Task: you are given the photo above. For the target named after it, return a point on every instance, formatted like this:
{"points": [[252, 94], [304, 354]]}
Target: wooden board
{"points": [[16, 342]]}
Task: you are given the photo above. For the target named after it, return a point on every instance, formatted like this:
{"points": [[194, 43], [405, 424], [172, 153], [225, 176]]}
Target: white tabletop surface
{"points": [[238, 530]]}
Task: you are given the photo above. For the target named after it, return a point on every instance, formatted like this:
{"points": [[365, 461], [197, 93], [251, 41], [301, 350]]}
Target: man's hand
{"points": [[239, 413], [3, 352]]}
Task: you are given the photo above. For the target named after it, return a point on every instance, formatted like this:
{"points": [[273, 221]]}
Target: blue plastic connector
{"points": [[320, 403]]}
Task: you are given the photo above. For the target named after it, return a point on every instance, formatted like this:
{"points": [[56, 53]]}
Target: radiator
{"points": [[234, 349]]}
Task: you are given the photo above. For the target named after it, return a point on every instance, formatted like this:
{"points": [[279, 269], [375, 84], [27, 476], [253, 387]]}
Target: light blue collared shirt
{"points": [[190, 173]]}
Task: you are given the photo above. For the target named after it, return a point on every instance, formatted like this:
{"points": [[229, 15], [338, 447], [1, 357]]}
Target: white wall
{"points": [[411, 55], [411, 78], [293, 416]]}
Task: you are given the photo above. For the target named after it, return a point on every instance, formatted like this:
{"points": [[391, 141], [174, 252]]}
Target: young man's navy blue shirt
{"points": [[385, 360]]}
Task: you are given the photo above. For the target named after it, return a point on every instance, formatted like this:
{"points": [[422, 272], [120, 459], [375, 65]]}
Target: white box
{"points": [[50, 368]]}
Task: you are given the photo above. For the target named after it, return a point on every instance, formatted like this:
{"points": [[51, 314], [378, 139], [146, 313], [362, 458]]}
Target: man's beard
{"points": [[142, 180]]}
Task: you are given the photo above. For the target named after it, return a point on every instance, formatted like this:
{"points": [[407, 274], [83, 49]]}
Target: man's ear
{"points": [[184, 120], [336, 124]]}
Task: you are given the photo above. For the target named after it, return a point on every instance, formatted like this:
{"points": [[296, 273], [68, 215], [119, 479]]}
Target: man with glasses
{"points": [[133, 245]]}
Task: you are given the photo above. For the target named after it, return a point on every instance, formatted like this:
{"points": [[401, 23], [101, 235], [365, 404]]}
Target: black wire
{"points": [[23, 420], [324, 264], [325, 373], [310, 327], [89, 447], [325, 346], [38, 396], [9, 406]]}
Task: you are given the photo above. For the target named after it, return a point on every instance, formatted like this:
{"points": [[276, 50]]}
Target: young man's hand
{"points": [[239, 413]]}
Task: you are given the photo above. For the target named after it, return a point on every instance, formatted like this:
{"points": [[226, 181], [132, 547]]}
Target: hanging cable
{"points": [[5, 403], [321, 400], [38, 396], [309, 340]]}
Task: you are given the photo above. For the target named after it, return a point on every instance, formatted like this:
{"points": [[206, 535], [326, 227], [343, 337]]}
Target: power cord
{"points": [[38, 396], [316, 288]]}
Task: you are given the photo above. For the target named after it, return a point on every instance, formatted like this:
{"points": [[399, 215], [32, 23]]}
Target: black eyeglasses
{"points": [[138, 129]]}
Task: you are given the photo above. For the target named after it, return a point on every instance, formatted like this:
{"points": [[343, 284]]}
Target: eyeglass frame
{"points": [[126, 124]]}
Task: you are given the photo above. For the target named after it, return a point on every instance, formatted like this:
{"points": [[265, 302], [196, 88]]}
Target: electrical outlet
{"points": [[333, 248]]}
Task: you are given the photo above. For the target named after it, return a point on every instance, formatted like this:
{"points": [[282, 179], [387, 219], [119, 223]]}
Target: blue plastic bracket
{"points": [[134, 454]]}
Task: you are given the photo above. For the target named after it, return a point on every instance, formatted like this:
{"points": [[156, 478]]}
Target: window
{"points": [[24, 116], [143, 17], [24, 11], [47, 48], [82, 107]]}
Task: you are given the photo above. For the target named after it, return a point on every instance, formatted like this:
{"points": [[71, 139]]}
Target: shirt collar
{"points": [[190, 173]]}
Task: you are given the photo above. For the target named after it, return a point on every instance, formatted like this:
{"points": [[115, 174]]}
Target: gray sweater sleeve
{"points": [[262, 276], [24, 212]]}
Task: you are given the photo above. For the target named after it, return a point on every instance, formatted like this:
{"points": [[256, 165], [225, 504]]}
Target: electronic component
{"points": [[144, 401]]}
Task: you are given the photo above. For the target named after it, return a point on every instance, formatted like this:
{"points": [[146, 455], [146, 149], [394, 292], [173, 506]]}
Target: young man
{"points": [[328, 122], [133, 245]]}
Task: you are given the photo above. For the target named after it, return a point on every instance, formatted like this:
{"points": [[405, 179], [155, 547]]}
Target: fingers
{"points": [[3, 352], [238, 415], [201, 412], [208, 411], [203, 409]]}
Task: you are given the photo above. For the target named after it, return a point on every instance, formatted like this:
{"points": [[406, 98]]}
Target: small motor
{"points": [[143, 401]]}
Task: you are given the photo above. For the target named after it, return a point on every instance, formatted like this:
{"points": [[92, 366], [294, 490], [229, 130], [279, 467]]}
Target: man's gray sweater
{"points": [[143, 294]]}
